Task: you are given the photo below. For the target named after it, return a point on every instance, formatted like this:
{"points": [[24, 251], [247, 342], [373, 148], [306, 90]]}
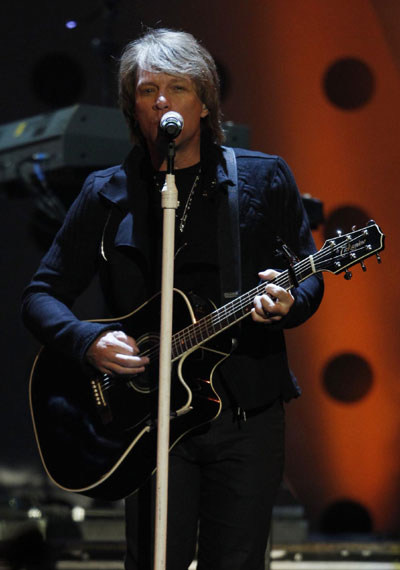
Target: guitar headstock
{"points": [[344, 251]]}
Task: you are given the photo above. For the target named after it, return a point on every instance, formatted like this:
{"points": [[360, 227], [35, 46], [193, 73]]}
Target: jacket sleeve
{"points": [[63, 274], [292, 226]]}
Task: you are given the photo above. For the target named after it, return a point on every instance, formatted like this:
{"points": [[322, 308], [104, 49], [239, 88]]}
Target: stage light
{"points": [[78, 514], [34, 513]]}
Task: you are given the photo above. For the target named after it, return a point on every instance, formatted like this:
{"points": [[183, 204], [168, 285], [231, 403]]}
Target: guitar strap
{"points": [[229, 233]]}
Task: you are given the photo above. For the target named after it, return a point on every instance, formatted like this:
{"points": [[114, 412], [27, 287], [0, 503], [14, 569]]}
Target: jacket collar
{"points": [[222, 171], [136, 168], [127, 185]]}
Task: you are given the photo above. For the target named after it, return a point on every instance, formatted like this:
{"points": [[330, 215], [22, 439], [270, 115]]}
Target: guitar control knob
{"points": [[348, 275]]}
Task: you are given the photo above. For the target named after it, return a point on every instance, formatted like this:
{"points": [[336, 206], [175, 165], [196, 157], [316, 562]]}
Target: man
{"points": [[223, 476]]}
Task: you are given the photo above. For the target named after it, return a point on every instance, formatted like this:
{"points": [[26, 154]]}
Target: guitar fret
{"points": [[306, 269], [198, 333], [201, 330]]}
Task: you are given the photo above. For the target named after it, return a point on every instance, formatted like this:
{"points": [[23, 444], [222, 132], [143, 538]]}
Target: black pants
{"points": [[222, 485]]}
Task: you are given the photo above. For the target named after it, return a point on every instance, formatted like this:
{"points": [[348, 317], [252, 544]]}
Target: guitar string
{"points": [[234, 307], [221, 316]]}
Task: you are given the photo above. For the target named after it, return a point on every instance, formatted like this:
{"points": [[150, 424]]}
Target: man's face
{"points": [[157, 93]]}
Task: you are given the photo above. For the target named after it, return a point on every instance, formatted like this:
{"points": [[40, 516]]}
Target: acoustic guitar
{"points": [[97, 433]]}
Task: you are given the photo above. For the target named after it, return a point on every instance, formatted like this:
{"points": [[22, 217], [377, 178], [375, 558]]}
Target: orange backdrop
{"points": [[339, 450]]}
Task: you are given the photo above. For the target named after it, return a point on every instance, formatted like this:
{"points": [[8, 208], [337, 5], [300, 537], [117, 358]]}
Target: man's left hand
{"points": [[274, 304]]}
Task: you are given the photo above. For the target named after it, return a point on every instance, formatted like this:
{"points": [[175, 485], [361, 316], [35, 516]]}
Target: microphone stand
{"points": [[169, 204]]}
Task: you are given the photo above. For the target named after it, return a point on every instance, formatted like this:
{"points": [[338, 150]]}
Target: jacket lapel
{"points": [[127, 191]]}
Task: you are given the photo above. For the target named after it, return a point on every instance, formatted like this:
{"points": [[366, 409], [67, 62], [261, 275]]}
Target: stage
{"points": [[58, 537]]}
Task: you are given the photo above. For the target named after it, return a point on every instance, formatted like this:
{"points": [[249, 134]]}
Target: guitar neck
{"points": [[336, 255], [216, 322]]}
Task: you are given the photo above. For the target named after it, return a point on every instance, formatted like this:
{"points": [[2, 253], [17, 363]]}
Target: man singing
{"points": [[224, 475]]}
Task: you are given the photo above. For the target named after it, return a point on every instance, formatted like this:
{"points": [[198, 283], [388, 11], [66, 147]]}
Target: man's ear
{"points": [[204, 111]]}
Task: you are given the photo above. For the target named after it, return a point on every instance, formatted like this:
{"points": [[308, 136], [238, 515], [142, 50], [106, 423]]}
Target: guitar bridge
{"points": [[100, 401]]}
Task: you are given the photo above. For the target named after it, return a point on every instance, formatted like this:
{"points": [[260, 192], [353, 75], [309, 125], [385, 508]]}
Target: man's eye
{"points": [[147, 90]]}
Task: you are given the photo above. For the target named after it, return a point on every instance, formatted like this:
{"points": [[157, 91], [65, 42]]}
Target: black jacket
{"points": [[106, 232]]}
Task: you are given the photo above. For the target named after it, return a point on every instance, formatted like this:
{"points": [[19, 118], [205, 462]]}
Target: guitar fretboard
{"points": [[335, 256], [229, 314]]}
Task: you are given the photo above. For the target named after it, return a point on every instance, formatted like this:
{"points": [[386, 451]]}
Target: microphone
{"points": [[171, 124]]}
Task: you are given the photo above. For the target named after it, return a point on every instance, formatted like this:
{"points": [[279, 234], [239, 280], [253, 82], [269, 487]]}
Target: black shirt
{"points": [[196, 248]]}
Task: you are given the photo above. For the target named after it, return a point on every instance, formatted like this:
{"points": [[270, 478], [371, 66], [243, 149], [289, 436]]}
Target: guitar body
{"points": [[97, 435]]}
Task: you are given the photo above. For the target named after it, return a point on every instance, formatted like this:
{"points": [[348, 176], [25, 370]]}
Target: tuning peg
{"points": [[353, 228], [339, 232], [378, 257], [348, 275], [363, 266]]}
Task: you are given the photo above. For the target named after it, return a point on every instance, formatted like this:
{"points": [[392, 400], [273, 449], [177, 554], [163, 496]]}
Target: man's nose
{"points": [[161, 102]]}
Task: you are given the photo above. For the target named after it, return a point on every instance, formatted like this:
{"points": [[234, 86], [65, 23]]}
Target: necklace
{"points": [[186, 210], [189, 200]]}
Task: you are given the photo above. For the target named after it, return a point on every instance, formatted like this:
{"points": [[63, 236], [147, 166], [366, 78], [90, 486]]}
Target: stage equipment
{"points": [[80, 138]]}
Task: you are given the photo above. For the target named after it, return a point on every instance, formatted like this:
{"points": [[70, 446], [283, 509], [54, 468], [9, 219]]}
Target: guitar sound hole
{"points": [[147, 381]]}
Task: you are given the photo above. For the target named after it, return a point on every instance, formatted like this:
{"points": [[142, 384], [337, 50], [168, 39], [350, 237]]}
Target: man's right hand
{"points": [[113, 352]]}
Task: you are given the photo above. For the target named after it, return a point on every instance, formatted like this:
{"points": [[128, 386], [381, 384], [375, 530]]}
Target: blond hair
{"points": [[176, 53]]}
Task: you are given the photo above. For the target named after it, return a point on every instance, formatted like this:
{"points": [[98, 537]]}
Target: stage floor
{"points": [[77, 555], [84, 539]]}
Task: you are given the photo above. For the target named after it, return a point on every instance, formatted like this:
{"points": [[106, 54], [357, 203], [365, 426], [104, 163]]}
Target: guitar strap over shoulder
{"points": [[229, 233]]}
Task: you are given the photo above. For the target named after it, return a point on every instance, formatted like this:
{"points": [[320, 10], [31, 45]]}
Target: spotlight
{"points": [[71, 24]]}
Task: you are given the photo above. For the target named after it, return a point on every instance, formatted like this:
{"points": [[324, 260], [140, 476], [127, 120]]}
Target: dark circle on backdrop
{"points": [[58, 79], [344, 218], [224, 79], [347, 378], [346, 517], [349, 83]]}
